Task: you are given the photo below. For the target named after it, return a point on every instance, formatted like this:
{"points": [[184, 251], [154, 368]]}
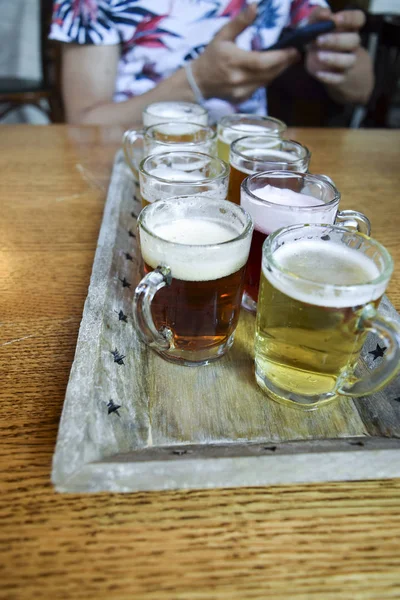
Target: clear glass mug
{"points": [[320, 290], [165, 112], [258, 153], [194, 252], [233, 127], [167, 137], [182, 174], [277, 199]]}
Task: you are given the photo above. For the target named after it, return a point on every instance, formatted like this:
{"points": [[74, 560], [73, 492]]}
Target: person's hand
{"points": [[330, 58], [226, 71]]}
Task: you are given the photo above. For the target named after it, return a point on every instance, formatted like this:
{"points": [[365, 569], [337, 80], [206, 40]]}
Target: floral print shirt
{"points": [[158, 36]]}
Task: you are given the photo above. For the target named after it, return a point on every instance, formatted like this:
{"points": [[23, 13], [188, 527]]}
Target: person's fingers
{"points": [[337, 60], [263, 61], [339, 42], [349, 20], [320, 14], [329, 77], [231, 30]]}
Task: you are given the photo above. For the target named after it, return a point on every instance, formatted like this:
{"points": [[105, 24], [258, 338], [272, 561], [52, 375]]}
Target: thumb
{"points": [[231, 30], [320, 14]]}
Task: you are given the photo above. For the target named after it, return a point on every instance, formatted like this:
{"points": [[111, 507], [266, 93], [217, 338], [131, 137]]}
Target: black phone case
{"points": [[298, 38]]}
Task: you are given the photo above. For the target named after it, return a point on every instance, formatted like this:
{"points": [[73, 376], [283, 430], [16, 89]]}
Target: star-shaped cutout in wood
{"points": [[131, 234], [128, 256], [134, 215], [378, 352], [118, 358], [122, 316], [113, 408], [125, 283]]}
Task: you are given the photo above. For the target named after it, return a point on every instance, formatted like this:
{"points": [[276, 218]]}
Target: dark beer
{"points": [[272, 208]]}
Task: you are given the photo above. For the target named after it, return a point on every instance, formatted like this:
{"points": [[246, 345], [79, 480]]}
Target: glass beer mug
{"points": [[233, 127], [280, 198], [194, 251], [167, 137], [320, 290], [182, 174], [258, 153]]}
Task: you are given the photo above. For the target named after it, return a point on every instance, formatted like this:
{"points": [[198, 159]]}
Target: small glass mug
{"points": [[165, 112], [280, 198], [320, 290], [182, 174], [233, 127], [167, 137], [194, 251], [257, 153]]}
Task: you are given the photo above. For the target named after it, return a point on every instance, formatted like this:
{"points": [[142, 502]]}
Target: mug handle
{"points": [[353, 220], [143, 320], [389, 333], [132, 155]]}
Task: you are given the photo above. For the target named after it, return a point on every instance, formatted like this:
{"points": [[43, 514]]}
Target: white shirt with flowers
{"points": [[158, 36]]}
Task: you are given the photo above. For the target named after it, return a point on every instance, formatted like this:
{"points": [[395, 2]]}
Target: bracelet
{"points": [[192, 82]]}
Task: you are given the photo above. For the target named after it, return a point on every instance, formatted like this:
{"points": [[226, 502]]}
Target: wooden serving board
{"points": [[132, 421]]}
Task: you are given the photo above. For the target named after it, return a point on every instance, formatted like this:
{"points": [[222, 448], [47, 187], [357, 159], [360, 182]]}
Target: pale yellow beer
{"points": [[171, 137], [313, 291], [233, 127]]}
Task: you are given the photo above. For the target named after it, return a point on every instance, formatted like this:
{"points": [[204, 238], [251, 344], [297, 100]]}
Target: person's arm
{"points": [[337, 59], [89, 74], [223, 71]]}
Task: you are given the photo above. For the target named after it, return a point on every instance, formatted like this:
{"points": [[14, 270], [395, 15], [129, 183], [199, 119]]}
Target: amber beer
{"points": [[204, 243], [180, 173], [255, 154], [233, 127], [316, 282]]}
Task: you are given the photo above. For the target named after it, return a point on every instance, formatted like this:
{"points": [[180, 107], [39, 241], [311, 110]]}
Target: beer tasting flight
{"points": [[233, 218]]}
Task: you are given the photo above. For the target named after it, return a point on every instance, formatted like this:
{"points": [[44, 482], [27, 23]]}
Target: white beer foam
{"points": [[286, 197], [159, 112], [286, 209], [330, 264], [189, 259], [236, 131]]}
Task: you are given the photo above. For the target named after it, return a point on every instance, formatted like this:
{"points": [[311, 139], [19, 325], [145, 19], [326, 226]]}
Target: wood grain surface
{"points": [[331, 541]]}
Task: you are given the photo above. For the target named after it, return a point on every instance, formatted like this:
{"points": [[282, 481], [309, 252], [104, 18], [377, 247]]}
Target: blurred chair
{"points": [[16, 91], [382, 34]]}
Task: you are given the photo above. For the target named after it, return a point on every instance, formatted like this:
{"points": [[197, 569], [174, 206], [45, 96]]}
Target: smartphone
{"points": [[298, 38]]}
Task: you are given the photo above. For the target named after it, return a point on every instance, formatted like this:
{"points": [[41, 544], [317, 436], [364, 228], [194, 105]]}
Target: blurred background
{"points": [[30, 90]]}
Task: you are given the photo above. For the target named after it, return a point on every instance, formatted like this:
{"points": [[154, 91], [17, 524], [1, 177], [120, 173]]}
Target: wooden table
{"points": [[322, 542]]}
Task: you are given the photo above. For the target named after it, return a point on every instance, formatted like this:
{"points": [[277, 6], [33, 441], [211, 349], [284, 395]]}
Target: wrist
{"points": [[200, 80], [198, 96]]}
